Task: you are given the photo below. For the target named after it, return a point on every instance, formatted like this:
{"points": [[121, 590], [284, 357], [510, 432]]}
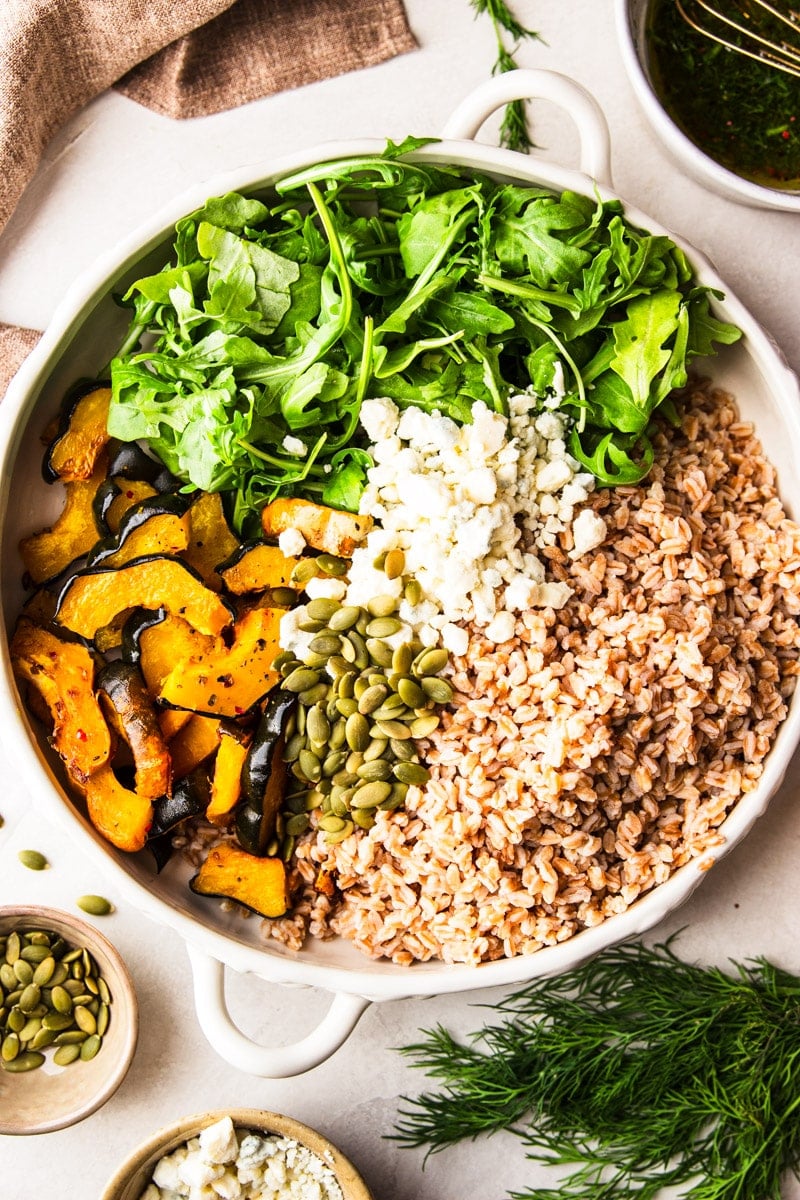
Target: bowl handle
{"points": [[271, 1062], [529, 84]]}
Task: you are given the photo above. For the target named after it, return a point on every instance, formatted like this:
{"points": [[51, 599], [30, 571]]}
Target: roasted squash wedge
{"points": [[226, 782], [210, 538], [189, 798], [127, 460], [255, 567], [259, 884], [47, 553], [193, 744], [330, 530], [120, 814], [81, 437], [228, 681], [264, 775], [132, 714], [156, 642], [62, 672], [114, 497], [155, 525], [92, 597]]}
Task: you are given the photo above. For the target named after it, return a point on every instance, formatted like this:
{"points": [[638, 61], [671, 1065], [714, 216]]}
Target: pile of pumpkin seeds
{"points": [[51, 994], [365, 695]]}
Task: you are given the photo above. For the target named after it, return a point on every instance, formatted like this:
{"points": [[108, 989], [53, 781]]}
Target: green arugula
{"points": [[383, 276]]}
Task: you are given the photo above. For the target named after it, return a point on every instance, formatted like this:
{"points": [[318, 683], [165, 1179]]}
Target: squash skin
{"points": [[121, 815], [62, 672], [92, 598], [259, 884], [256, 566], [264, 774], [155, 641], [229, 681], [133, 716], [127, 460], [114, 497], [82, 434], [189, 798], [154, 525], [47, 553]]}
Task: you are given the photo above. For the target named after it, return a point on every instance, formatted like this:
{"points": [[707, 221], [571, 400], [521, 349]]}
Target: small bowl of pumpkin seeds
{"points": [[69, 1019]]}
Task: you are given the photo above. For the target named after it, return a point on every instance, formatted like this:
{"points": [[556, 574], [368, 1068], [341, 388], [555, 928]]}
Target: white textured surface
{"points": [[104, 174]]}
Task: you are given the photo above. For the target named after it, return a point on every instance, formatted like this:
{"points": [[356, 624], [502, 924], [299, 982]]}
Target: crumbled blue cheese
{"points": [[225, 1164]]}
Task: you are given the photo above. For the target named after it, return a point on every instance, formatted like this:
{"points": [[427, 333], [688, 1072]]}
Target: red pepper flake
{"points": [[786, 135], [81, 735], [237, 708], [129, 495]]}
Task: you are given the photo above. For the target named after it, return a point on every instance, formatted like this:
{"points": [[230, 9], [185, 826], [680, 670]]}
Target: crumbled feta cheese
{"points": [[588, 531], [293, 445], [379, 418], [291, 543], [325, 587], [218, 1166], [501, 627], [455, 639]]}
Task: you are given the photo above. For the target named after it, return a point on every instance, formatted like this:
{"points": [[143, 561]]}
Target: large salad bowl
{"points": [[83, 335]]}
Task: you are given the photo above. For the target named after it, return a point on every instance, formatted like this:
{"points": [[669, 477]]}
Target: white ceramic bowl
{"points": [[83, 334], [631, 17]]}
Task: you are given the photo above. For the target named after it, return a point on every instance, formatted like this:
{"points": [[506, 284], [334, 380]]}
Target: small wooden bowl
{"points": [[50, 1098], [136, 1172]]}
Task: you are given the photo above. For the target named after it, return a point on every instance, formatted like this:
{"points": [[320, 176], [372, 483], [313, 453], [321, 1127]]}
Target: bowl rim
{"points": [[93, 940], [374, 980], [166, 1139], [677, 141]]}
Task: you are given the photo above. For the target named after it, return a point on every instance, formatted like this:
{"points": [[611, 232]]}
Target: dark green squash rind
{"points": [[264, 776]]}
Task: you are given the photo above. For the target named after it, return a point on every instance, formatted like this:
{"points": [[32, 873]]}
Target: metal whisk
{"points": [[754, 28]]}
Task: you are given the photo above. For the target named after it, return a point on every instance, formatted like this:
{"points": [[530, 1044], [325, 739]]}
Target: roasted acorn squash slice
{"points": [[227, 681], [193, 744], [257, 883], [62, 672], [264, 775], [226, 782], [132, 714], [81, 437], [120, 814], [155, 525], [210, 538], [93, 597], [255, 567], [47, 553], [114, 497]]}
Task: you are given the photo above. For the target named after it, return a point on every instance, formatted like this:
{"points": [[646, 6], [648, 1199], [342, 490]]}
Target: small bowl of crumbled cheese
{"points": [[241, 1153]]}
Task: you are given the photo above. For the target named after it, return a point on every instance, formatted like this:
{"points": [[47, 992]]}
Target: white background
{"points": [[107, 170]]}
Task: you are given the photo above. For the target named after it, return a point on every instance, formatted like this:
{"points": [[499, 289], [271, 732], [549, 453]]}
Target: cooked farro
{"points": [[599, 750]]}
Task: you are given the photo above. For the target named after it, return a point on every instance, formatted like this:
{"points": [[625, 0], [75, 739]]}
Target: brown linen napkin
{"points": [[182, 58]]}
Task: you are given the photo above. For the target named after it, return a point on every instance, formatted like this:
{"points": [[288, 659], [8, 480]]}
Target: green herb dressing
{"points": [[743, 114]]}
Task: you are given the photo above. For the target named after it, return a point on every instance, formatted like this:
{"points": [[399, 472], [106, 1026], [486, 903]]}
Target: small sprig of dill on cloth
{"points": [[636, 1072], [514, 129]]}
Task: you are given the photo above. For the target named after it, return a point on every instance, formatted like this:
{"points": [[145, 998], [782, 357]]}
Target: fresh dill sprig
{"points": [[635, 1072], [514, 129]]}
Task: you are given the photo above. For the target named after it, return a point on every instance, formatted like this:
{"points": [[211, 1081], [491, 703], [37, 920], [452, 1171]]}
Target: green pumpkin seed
{"points": [[317, 725], [16, 1020], [437, 690], [44, 971], [70, 1037], [301, 679], [13, 947], [372, 698], [283, 597], [384, 627], [412, 773], [331, 565], [363, 818], [394, 564], [310, 765], [334, 838], [376, 768], [423, 727], [394, 729], [305, 570], [356, 640], [90, 1047], [84, 1019], [33, 860], [411, 693], [344, 618], [30, 1029], [314, 695], [325, 644], [7, 977], [347, 707], [322, 608], [42, 1039], [382, 606], [60, 974], [103, 1018], [65, 1055], [431, 662], [402, 658], [376, 749], [357, 731], [35, 953], [30, 998], [23, 972], [379, 651], [57, 1021], [10, 1047], [297, 824], [412, 592], [27, 1061], [103, 991], [370, 795], [331, 823]]}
